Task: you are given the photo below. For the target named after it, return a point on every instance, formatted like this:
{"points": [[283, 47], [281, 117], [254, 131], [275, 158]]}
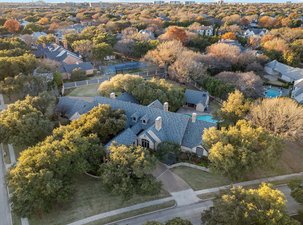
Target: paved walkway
{"points": [[292, 205], [182, 193]]}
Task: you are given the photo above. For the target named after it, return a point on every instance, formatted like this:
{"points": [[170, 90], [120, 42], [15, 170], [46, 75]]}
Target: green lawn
{"points": [[134, 213], [198, 179], [85, 91], [90, 198]]}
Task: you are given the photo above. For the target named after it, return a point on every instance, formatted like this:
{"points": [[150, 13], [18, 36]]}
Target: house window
{"points": [[145, 143], [134, 119], [144, 122]]}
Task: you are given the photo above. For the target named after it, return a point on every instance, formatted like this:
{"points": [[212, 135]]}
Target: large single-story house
{"points": [[197, 99], [284, 72], [297, 92], [147, 126], [67, 69]]}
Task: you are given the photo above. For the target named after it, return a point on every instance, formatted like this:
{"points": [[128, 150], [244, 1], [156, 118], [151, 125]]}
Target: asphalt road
{"points": [[189, 212], [5, 216]]}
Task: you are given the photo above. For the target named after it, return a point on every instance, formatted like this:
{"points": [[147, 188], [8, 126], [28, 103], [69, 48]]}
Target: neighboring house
{"points": [[36, 35], [206, 30], [67, 69], [23, 23], [159, 2], [58, 53], [297, 92], [232, 43], [284, 72], [255, 32], [175, 2], [148, 33], [189, 2], [197, 99], [146, 125]]}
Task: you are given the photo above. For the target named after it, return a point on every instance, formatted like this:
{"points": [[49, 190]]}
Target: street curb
{"points": [[143, 214]]}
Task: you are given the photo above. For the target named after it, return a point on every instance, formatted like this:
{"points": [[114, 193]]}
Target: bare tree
{"points": [[281, 116], [248, 83]]}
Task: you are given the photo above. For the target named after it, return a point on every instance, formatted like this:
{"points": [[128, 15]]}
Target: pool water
{"points": [[272, 93], [207, 118]]}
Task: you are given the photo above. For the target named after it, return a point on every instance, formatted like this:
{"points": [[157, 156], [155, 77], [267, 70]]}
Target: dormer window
{"points": [[134, 117], [144, 119]]}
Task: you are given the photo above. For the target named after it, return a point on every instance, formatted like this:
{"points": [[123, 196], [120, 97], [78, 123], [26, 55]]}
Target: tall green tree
{"points": [[26, 122], [240, 149], [44, 173], [145, 91], [127, 171], [261, 206]]}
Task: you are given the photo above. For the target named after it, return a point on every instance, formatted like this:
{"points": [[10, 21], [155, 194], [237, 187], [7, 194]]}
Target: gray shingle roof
{"points": [[156, 104], [195, 97], [126, 97], [126, 137], [176, 128], [54, 52], [68, 68], [292, 73]]}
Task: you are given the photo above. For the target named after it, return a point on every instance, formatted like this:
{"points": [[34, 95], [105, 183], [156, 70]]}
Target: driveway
{"points": [[170, 181], [182, 193]]}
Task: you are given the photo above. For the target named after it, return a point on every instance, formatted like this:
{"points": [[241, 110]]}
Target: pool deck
{"points": [[285, 92], [189, 110]]}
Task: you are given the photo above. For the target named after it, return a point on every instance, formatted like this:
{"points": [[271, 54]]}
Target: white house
{"points": [[206, 30], [297, 92], [255, 32], [284, 72]]}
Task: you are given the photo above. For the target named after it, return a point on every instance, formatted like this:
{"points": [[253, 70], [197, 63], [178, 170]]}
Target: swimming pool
{"points": [[207, 118], [272, 93]]}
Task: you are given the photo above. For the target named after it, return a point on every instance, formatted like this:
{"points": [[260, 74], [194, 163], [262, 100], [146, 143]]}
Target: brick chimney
{"points": [[112, 95], [165, 106], [158, 123], [193, 117]]}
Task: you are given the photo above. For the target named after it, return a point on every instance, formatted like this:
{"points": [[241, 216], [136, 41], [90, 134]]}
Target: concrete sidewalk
{"points": [[119, 211]]}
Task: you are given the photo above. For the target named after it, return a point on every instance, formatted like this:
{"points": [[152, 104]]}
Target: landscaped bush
{"points": [[296, 187], [168, 152]]}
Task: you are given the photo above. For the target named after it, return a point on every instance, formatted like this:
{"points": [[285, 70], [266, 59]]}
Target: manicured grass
{"points": [[198, 179], [16, 219], [7, 159], [90, 198], [290, 162], [137, 212], [85, 91], [214, 106]]}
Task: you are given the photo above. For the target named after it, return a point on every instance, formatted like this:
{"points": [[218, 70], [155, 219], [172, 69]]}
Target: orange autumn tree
{"points": [[229, 35], [43, 21], [175, 33], [12, 25]]}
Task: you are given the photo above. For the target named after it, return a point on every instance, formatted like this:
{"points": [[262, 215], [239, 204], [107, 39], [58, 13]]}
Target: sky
{"points": [[233, 1]]}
